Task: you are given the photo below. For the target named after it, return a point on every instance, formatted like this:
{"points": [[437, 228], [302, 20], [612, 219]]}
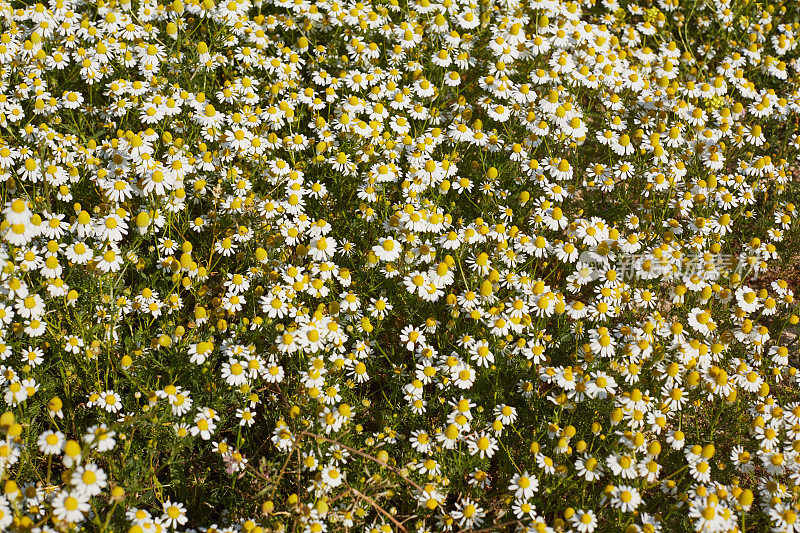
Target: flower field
{"points": [[399, 266]]}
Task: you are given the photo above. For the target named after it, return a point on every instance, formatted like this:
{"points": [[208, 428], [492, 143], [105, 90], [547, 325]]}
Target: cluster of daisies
{"points": [[409, 265]]}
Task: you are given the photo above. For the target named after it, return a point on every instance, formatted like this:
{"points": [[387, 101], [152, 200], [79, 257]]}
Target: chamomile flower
{"points": [[468, 514], [89, 479], [51, 442], [71, 506], [584, 521], [174, 514], [524, 486]]}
